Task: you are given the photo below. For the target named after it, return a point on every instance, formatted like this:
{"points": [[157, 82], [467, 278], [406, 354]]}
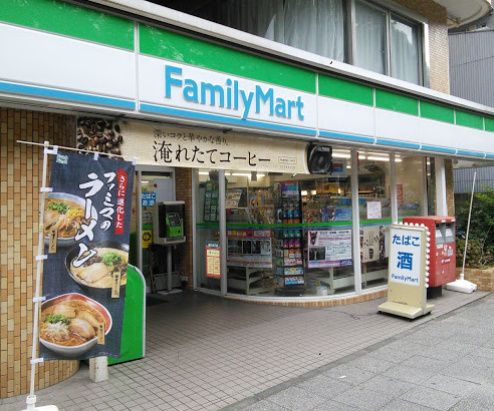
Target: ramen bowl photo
{"points": [[69, 324], [97, 271], [64, 212]]}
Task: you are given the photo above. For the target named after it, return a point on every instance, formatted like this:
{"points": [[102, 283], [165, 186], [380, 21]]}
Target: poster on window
{"points": [[373, 243], [329, 248], [249, 248], [86, 231], [213, 259]]}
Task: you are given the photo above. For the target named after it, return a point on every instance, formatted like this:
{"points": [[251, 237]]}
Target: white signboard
{"points": [[329, 248], [405, 256], [407, 282], [173, 146]]}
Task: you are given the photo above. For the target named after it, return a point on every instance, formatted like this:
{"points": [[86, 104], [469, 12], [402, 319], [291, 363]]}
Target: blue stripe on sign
{"points": [[398, 143], [348, 137], [439, 149], [175, 112], [489, 155], [470, 153], [65, 95]]}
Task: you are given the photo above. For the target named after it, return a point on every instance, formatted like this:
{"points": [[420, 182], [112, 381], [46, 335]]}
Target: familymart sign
{"points": [[212, 95]]}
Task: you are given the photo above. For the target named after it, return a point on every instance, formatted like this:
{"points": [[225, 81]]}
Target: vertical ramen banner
{"points": [[86, 228]]}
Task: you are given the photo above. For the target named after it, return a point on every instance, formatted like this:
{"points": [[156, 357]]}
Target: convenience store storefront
{"points": [[241, 123], [282, 231]]}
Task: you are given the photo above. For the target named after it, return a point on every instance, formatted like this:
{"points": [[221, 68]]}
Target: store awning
{"points": [[461, 12]]}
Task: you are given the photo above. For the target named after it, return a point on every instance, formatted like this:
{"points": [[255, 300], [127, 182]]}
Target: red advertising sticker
{"points": [[122, 180]]}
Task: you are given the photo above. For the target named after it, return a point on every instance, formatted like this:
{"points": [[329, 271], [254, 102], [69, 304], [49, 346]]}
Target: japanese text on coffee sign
{"points": [[200, 149], [110, 210]]}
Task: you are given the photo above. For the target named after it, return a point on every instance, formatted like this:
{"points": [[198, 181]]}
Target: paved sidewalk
{"points": [[447, 364], [205, 353]]}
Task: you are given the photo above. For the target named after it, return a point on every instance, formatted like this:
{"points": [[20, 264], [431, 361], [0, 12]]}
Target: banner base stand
{"points": [[31, 405], [461, 286], [98, 369], [404, 310]]}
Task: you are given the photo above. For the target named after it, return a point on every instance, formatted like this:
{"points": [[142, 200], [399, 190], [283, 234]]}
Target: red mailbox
{"points": [[442, 265]]}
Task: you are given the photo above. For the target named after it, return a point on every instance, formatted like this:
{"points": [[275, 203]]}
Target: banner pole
{"points": [[31, 398], [78, 150]]}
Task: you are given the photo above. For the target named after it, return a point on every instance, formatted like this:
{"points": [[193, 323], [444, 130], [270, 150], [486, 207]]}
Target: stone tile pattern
{"points": [[20, 175], [446, 364], [205, 353]]}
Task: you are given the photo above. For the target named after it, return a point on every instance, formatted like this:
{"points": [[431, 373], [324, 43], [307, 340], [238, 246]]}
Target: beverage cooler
{"points": [[442, 265]]}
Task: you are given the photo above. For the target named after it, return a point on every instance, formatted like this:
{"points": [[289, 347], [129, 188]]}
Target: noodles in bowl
{"points": [[97, 271], [69, 324], [64, 213]]}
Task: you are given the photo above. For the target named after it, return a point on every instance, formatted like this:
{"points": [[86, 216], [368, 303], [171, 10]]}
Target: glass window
{"points": [[410, 185], [317, 26], [375, 213], [404, 51], [382, 41], [290, 235], [370, 42]]}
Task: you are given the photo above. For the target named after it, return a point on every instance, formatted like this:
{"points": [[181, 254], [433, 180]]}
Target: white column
{"points": [[195, 180], [139, 220], [441, 197], [223, 243], [357, 269], [393, 193]]}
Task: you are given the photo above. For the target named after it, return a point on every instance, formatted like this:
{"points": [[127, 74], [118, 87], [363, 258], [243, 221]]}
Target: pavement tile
{"points": [[265, 405], [364, 399], [349, 375], [425, 363], [435, 399], [296, 399], [371, 364], [464, 370], [390, 354], [324, 386], [450, 385], [480, 399], [386, 385], [402, 405], [334, 406], [408, 374]]}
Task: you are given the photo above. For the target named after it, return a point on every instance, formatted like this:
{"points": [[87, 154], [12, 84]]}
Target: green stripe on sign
{"points": [[70, 20], [489, 123], [177, 47], [345, 90], [437, 112], [397, 102], [467, 119]]}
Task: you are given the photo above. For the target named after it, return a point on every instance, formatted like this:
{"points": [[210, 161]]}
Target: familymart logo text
{"points": [[261, 100]]}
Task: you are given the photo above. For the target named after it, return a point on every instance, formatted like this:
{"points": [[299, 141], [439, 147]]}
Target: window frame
{"points": [[391, 11]]}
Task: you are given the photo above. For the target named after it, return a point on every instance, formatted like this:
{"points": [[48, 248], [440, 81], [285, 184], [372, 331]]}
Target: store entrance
{"points": [[153, 187]]}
